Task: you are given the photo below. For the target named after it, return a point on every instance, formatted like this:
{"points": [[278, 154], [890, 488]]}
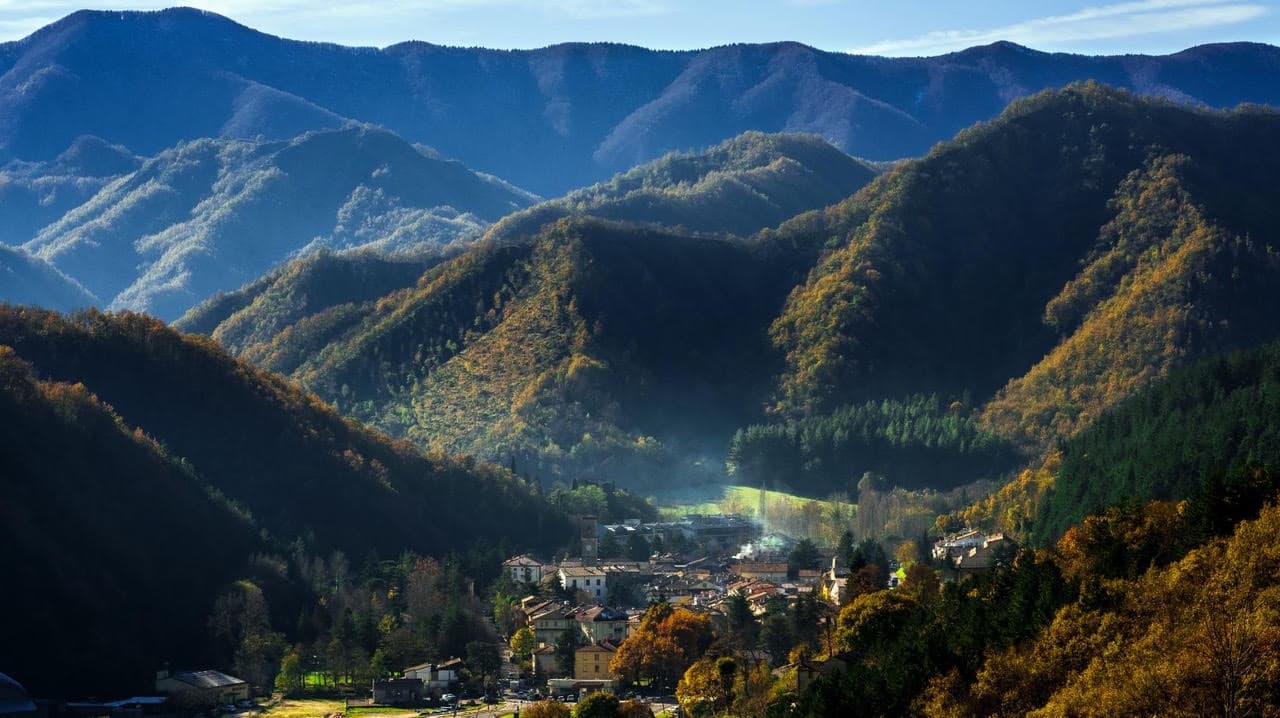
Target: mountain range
{"points": [[909, 279], [1059, 257], [210, 215], [551, 119], [574, 291]]}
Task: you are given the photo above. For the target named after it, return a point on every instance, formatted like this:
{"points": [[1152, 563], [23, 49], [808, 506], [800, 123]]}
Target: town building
{"points": [[201, 688], [544, 661], [591, 662], [994, 551], [523, 569], [436, 677], [398, 692], [549, 621], [589, 579], [599, 623], [772, 572]]}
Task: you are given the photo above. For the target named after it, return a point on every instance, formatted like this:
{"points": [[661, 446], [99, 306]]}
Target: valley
{"points": [[756, 381]]}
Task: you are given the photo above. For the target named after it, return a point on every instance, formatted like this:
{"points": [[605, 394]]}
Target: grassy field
{"points": [[321, 707], [726, 499], [305, 708]]}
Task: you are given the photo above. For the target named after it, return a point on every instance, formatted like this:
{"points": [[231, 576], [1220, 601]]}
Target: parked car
{"points": [[449, 698]]}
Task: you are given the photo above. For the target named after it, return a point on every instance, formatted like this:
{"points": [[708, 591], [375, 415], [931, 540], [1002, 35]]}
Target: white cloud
{"points": [[1120, 20]]}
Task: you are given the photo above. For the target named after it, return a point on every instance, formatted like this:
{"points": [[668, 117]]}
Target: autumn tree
{"points": [[523, 642], [666, 642], [600, 704]]}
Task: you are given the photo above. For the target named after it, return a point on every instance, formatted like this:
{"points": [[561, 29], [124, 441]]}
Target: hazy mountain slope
{"points": [[125, 543], [595, 349], [209, 215], [29, 280], [580, 111], [34, 194], [742, 185], [288, 459]]}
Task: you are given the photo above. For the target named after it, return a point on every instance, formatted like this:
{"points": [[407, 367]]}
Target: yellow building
{"points": [[591, 663]]}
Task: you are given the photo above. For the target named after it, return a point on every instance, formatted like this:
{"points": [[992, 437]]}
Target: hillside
{"points": [[593, 349], [150, 80], [960, 254], [1204, 432], [319, 290], [209, 215], [297, 467], [125, 542], [740, 186]]}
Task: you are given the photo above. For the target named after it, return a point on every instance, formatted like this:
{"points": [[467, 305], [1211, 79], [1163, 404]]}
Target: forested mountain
{"points": [[943, 270], [1025, 276], [740, 186], [550, 119], [296, 466], [1030, 273], [582, 351], [209, 215]]}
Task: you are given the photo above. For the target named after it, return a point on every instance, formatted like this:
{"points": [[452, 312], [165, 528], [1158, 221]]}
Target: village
{"points": [[563, 634]]}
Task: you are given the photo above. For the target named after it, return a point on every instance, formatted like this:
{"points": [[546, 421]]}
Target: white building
{"points": [[524, 569], [589, 579]]}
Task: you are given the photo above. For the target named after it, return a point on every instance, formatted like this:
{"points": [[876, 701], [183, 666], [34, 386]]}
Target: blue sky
{"points": [[901, 27]]}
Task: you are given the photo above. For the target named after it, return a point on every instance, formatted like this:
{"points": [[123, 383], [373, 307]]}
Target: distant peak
{"points": [[1000, 47]]}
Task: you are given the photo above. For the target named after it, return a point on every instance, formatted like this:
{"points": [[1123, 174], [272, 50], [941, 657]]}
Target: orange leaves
{"points": [[666, 642]]}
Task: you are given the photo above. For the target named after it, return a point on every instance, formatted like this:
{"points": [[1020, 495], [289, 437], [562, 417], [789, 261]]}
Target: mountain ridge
{"points": [[589, 110]]}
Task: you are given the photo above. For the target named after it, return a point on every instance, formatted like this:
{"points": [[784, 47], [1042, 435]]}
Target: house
{"points": [[549, 621], [589, 579], [956, 544], [599, 623], [994, 551], [544, 661], [592, 662], [201, 688], [398, 692], [436, 677], [523, 569], [773, 572]]}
